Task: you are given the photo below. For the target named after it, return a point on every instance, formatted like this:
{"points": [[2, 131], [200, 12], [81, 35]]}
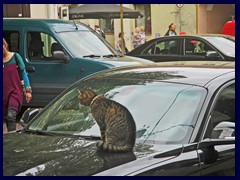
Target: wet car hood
{"points": [[26, 154], [121, 61]]}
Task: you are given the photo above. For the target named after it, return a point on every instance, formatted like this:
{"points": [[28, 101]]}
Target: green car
{"points": [[57, 53]]}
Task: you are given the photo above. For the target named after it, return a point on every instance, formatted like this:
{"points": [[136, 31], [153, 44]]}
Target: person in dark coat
{"points": [[171, 30]]}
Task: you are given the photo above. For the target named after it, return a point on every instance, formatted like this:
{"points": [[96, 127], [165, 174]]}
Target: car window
{"points": [[163, 47], [222, 117], [13, 40], [166, 113], [41, 47], [196, 47], [85, 43], [225, 45]]}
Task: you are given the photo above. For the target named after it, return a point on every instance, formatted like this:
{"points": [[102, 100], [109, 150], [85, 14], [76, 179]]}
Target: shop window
{"points": [[107, 25]]}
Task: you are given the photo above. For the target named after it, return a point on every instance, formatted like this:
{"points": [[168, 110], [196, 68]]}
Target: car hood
{"points": [[121, 61], [31, 155]]}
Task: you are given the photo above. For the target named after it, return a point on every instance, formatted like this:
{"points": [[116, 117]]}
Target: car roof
{"points": [[57, 25], [198, 73], [232, 38]]}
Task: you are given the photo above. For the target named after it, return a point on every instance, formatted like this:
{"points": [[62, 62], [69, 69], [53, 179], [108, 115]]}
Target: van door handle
{"points": [[30, 69]]}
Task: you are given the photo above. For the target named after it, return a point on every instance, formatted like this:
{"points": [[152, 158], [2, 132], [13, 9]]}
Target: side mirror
{"points": [[206, 143], [224, 130], [28, 115], [211, 55], [59, 55]]}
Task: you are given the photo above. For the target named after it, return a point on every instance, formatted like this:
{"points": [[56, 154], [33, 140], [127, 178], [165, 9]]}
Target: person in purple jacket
{"points": [[12, 87]]}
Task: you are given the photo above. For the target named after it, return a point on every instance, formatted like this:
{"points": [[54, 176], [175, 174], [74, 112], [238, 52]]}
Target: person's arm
{"points": [[119, 45], [28, 89], [23, 71], [25, 78]]}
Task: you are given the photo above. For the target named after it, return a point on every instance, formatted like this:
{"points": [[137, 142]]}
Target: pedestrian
{"points": [[171, 30], [142, 34], [13, 87], [100, 31], [136, 38], [121, 45]]}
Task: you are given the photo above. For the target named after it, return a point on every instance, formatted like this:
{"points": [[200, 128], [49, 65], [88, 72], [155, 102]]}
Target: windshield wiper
{"points": [[38, 132], [92, 56], [110, 55], [91, 137]]}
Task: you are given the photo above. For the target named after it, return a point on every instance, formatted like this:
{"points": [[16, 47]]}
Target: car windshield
{"points": [[225, 45], [86, 43], [164, 113]]}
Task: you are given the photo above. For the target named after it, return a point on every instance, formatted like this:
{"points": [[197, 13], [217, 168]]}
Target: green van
{"points": [[57, 53]]}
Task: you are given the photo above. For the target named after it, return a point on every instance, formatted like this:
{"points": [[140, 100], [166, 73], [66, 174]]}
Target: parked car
{"points": [[57, 53], [187, 47], [185, 125]]}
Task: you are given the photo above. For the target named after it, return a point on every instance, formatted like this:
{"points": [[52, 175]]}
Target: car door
{"points": [[185, 163], [48, 75], [163, 50], [217, 149]]}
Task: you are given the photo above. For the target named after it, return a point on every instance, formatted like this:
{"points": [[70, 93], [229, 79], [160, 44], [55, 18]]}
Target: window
{"points": [[196, 47], [222, 120], [163, 47], [13, 40], [145, 21], [166, 116], [41, 46], [107, 25]]}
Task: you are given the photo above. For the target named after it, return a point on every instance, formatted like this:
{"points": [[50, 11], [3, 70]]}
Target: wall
{"points": [[39, 11], [212, 17], [128, 27], [16, 10], [165, 14], [49, 11]]}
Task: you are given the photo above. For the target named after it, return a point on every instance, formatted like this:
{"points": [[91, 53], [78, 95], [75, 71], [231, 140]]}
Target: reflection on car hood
{"points": [[121, 61], [25, 154]]}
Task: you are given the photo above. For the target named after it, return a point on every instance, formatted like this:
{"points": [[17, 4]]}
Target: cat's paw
{"points": [[100, 144]]}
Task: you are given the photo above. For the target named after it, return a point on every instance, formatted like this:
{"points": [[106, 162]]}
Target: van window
{"points": [[85, 43], [41, 47], [13, 39]]}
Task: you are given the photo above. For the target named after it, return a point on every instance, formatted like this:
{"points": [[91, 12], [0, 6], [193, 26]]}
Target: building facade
{"points": [[189, 18]]}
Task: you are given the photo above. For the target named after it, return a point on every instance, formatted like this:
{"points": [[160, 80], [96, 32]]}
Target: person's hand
{"points": [[28, 97]]}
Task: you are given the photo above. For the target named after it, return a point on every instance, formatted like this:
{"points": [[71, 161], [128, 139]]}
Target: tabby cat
{"points": [[117, 126]]}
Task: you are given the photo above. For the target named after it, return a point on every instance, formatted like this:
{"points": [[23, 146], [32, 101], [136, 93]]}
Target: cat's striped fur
{"points": [[117, 126]]}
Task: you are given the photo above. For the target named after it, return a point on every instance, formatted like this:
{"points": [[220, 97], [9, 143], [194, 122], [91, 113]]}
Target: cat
{"points": [[117, 126]]}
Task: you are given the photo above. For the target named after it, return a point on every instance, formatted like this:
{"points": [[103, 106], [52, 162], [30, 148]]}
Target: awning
{"points": [[101, 11]]}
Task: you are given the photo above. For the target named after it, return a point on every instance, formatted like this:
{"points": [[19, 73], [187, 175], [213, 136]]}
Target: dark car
{"points": [[185, 125], [187, 47]]}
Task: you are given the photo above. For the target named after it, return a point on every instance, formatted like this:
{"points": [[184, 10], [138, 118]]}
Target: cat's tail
{"points": [[112, 148]]}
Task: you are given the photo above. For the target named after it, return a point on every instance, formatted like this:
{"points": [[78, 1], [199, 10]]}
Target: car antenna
{"points": [[75, 25]]}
